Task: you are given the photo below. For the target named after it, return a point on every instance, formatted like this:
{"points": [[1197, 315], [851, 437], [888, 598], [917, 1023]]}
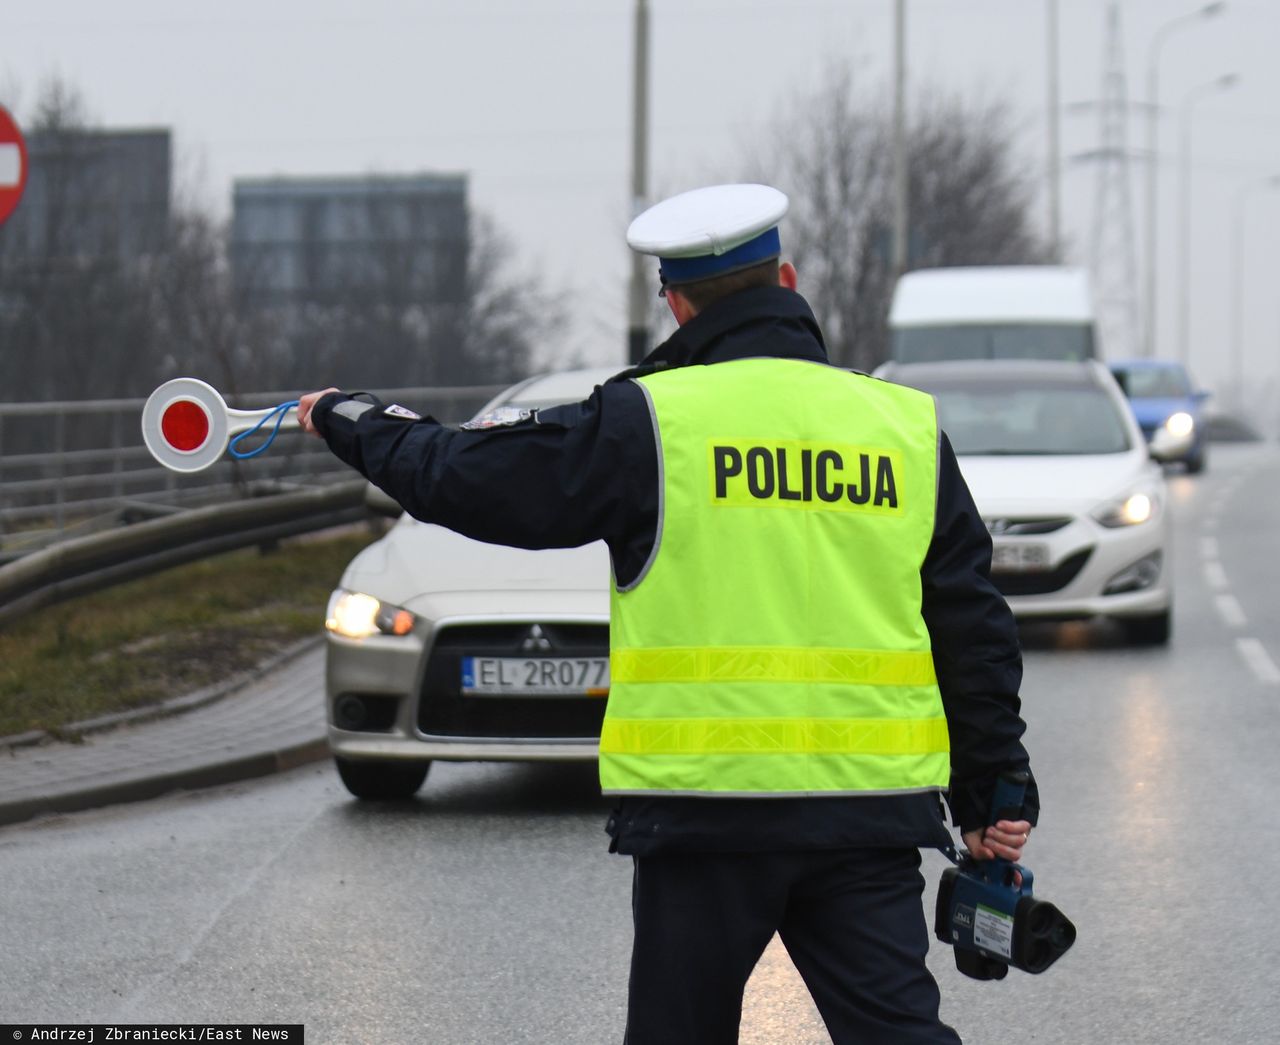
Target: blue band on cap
{"points": [[689, 270]]}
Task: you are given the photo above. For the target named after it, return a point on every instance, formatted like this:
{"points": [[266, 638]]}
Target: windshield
{"points": [[1164, 382], [1031, 419], [935, 344]]}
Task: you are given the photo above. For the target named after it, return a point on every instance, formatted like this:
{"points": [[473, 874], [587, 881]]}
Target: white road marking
{"points": [[1215, 576], [10, 166], [1230, 610], [1209, 547], [1255, 655]]}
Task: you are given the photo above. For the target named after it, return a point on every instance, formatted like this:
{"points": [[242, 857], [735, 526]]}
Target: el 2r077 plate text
{"points": [[535, 676]]}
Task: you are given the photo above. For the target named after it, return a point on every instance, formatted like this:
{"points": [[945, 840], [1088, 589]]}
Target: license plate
{"points": [[1011, 557], [535, 676]]}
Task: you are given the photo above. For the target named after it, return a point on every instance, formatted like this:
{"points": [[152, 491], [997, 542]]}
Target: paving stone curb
{"points": [[211, 774], [273, 722]]}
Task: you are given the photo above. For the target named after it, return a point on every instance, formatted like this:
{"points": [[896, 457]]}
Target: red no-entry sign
{"points": [[13, 164]]}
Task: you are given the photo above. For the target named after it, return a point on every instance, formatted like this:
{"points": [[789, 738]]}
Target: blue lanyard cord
{"points": [[278, 413]]}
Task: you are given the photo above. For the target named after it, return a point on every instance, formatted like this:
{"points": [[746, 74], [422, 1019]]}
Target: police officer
{"points": [[806, 650]]}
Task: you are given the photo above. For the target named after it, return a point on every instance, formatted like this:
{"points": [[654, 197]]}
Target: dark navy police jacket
{"points": [[589, 471]]}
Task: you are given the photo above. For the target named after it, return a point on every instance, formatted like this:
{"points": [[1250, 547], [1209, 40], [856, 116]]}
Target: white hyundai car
{"points": [[441, 647], [1059, 469]]}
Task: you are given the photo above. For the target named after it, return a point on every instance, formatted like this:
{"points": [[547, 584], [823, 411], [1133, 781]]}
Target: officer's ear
{"points": [[787, 276], [680, 306]]}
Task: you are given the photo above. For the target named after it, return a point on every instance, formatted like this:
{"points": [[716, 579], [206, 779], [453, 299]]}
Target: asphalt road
{"points": [[487, 910]]}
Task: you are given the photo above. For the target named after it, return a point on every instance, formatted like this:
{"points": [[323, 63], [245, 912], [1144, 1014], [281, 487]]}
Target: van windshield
{"points": [[936, 344]]}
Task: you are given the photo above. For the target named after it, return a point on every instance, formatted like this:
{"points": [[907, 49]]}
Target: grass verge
{"points": [[163, 636]]}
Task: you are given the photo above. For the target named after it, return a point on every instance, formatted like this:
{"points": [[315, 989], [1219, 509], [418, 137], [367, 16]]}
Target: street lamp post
{"points": [[1222, 83], [898, 259], [1054, 159], [1237, 279], [1153, 160], [638, 301]]}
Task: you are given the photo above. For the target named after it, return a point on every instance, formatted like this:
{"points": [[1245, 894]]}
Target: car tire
{"points": [[381, 781], [1153, 630]]}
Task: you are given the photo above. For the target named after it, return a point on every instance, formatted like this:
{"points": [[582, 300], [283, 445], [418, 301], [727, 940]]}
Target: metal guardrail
{"points": [[54, 477], [85, 564], [111, 514]]}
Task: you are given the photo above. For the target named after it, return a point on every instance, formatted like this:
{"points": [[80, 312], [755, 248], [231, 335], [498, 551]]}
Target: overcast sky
{"points": [[533, 101]]}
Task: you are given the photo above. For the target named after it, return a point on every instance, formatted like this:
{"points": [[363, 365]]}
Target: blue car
{"points": [[1168, 409]]}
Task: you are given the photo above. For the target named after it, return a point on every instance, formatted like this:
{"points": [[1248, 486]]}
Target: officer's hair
{"points": [[705, 291]]}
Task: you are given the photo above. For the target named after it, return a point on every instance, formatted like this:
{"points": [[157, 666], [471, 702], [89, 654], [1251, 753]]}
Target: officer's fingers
{"points": [[1009, 832], [306, 404], [973, 842], [1005, 852], [1007, 846]]}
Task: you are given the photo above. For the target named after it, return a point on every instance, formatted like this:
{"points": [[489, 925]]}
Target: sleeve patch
{"points": [[396, 410], [502, 417], [352, 409]]}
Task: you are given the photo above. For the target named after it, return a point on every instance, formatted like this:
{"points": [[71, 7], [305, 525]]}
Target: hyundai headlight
{"points": [[1180, 425], [357, 616], [1132, 510]]}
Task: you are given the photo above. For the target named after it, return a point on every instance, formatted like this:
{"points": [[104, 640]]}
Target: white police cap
{"points": [[711, 231]]}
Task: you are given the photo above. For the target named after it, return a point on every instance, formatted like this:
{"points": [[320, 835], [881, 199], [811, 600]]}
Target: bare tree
{"points": [[76, 312], [101, 297], [506, 314], [195, 325], [969, 202], [391, 314]]}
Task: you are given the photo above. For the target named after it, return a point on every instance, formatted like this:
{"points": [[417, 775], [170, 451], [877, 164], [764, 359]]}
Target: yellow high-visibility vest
{"points": [[773, 645]]}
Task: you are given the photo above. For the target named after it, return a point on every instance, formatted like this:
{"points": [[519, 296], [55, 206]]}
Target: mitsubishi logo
{"points": [[536, 640]]}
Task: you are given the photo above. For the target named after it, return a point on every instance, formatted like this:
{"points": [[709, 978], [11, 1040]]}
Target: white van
{"points": [[1007, 312]]}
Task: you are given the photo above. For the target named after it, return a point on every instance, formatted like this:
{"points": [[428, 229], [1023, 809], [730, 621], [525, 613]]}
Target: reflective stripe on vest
{"points": [[773, 664], [773, 644]]}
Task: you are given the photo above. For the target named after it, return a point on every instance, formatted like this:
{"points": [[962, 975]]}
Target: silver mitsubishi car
{"points": [[441, 647]]}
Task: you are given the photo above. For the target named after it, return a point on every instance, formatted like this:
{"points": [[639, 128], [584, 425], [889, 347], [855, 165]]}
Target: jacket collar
{"points": [[760, 321]]}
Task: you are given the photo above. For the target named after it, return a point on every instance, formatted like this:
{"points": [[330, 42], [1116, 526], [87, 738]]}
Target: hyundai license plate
{"points": [[1017, 557], [535, 676]]}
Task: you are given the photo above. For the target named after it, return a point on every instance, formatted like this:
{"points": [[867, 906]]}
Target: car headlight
{"points": [[1138, 507], [1180, 424], [357, 616]]}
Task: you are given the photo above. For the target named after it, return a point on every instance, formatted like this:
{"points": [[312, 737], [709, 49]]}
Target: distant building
{"points": [[371, 240], [90, 196]]}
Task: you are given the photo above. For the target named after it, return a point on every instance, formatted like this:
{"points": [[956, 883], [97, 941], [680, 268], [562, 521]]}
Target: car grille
{"points": [[444, 711], [1043, 582], [1026, 526]]}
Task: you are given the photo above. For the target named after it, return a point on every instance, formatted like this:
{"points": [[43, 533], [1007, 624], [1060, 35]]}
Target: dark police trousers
{"points": [[851, 920]]}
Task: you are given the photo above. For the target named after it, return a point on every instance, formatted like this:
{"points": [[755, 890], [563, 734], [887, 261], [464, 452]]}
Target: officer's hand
{"points": [[1004, 839], [308, 403]]}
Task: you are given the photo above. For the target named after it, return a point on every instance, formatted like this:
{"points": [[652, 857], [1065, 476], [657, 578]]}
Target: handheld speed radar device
{"points": [[991, 922]]}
